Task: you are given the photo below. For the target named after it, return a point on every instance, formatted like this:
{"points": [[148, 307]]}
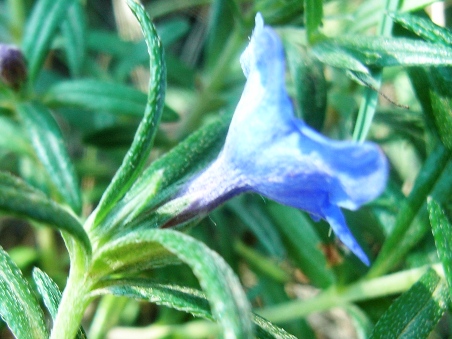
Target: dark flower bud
{"points": [[13, 70]]}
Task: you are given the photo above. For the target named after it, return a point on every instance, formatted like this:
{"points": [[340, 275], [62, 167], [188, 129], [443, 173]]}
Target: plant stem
{"points": [[74, 301], [333, 297]]}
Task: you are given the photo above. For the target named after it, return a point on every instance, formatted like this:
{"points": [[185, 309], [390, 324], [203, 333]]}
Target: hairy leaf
{"points": [[416, 312], [47, 141], [142, 144], [19, 307], [223, 290], [46, 17], [18, 197]]}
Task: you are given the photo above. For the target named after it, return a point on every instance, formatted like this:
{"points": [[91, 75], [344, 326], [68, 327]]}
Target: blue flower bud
{"points": [[270, 152]]}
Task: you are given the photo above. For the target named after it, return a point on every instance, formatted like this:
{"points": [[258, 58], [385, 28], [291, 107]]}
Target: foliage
{"points": [[106, 137]]}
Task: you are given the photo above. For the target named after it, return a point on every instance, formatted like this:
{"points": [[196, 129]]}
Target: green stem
{"points": [[73, 303], [334, 297]]}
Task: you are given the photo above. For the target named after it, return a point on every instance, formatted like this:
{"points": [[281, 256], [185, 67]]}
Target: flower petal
{"points": [[271, 152], [337, 222]]}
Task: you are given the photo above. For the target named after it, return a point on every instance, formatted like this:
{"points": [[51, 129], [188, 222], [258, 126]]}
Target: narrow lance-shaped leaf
{"points": [[19, 307], [168, 31], [51, 295], [423, 27], [442, 231], [222, 288], [98, 95], [417, 311], [440, 79], [12, 137], [391, 250], [384, 51], [302, 243], [139, 151], [47, 141], [19, 198], [221, 20], [183, 299], [74, 32], [313, 14], [310, 84], [439, 93], [46, 17], [161, 177]]}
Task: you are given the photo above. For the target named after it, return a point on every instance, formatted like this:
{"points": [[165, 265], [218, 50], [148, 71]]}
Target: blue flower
{"points": [[271, 152]]}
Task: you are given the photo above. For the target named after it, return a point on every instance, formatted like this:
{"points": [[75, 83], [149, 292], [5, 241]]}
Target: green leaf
{"points": [[222, 288], [109, 43], [377, 51], [51, 295], [262, 264], [47, 141], [18, 305], [74, 32], [313, 15], [266, 330], [302, 243], [280, 12], [19, 198], [251, 215], [310, 84], [12, 137], [368, 106], [391, 251], [423, 27], [49, 291], [41, 27], [163, 7], [169, 32], [370, 13], [416, 312], [442, 231], [221, 22], [98, 95], [183, 299], [142, 144], [162, 175], [419, 78], [338, 56], [441, 100]]}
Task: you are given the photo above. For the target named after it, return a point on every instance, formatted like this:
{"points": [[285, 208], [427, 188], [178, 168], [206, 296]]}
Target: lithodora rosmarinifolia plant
{"points": [[264, 149], [128, 230]]}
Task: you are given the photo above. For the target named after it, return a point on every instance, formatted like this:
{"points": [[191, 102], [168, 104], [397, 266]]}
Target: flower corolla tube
{"points": [[271, 152]]}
